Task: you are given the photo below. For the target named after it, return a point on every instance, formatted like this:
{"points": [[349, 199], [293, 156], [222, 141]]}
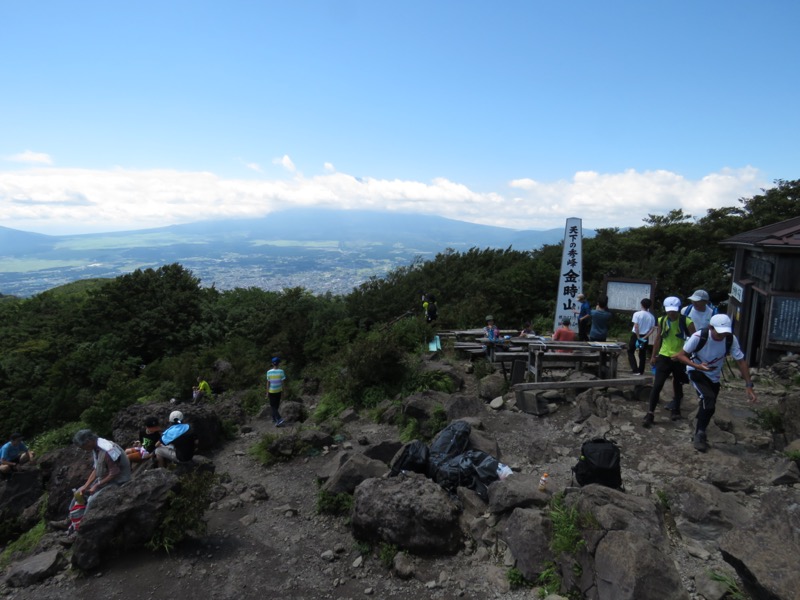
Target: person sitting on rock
{"points": [[203, 391], [13, 454], [111, 466], [143, 448], [178, 443]]}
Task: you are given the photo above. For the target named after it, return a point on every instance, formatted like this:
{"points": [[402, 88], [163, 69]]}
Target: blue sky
{"points": [[119, 116]]}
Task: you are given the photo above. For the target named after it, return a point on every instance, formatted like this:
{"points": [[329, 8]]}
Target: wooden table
{"points": [[544, 352]]}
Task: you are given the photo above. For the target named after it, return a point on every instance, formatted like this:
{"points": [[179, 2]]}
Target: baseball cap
{"points": [[721, 323], [489, 318], [275, 360], [672, 303], [175, 416], [699, 295]]}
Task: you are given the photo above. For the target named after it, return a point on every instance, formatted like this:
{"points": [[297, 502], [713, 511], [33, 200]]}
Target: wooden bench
{"points": [[579, 383]]}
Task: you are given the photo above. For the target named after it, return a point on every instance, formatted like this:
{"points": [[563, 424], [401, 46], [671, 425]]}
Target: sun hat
{"points": [[175, 416], [672, 303], [721, 323], [699, 295]]}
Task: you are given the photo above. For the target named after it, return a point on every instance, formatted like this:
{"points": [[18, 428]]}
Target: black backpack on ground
{"points": [[599, 463]]}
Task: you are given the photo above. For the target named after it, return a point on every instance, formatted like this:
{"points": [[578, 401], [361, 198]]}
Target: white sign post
{"points": [[570, 282]]}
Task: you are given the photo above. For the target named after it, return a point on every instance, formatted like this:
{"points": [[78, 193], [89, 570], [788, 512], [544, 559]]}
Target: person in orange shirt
{"points": [[564, 333]]}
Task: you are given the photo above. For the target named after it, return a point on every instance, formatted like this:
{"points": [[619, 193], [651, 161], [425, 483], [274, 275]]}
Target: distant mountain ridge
{"points": [[319, 249]]}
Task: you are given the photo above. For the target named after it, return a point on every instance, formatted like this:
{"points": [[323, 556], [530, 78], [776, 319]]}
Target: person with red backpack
{"points": [[704, 355]]}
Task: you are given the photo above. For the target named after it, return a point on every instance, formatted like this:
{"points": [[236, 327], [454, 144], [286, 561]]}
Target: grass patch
{"points": [[769, 419], [23, 544], [334, 504], [411, 431], [516, 579], [549, 581], [734, 592], [662, 499], [793, 455], [567, 535], [386, 554], [363, 548], [185, 511]]}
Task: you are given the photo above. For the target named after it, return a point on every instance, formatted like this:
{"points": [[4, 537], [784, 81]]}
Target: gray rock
{"points": [[35, 568], [458, 407], [480, 440], [785, 473], [516, 491], [123, 517], [702, 512], [491, 386], [384, 451], [527, 534], [410, 511], [628, 567], [355, 470]]}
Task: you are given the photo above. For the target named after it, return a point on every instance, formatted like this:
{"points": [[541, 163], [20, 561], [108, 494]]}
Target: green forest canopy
{"points": [[79, 353]]}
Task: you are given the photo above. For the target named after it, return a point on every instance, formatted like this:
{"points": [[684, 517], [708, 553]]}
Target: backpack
{"points": [[684, 328], [704, 339], [414, 457], [599, 463]]}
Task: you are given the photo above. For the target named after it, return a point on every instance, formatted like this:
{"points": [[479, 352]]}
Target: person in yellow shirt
{"points": [[672, 330]]}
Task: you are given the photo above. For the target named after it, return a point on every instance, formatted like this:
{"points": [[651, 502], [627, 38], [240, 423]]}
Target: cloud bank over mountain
{"points": [[57, 200]]}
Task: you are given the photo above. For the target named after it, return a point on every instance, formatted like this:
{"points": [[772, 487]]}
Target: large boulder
{"points": [[202, 417], [17, 493], [123, 517], [410, 511], [527, 534], [765, 552], [702, 512], [63, 470]]}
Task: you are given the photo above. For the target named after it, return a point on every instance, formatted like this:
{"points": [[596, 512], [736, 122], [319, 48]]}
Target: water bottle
{"points": [[543, 482]]}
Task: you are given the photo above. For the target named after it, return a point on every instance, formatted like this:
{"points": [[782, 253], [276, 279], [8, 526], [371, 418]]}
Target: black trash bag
{"points": [[451, 441], [413, 457], [473, 469]]}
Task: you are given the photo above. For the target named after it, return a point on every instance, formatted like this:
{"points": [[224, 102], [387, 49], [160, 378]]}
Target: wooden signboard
{"points": [[784, 320]]}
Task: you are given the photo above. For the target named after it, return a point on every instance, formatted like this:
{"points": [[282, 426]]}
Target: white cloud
{"points": [[36, 158], [57, 200], [329, 168], [285, 162], [254, 167]]}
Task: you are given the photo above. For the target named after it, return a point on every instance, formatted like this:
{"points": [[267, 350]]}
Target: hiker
{"points": [[430, 308], [564, 334], [584, 318], [203, 390], [143, 448], [178, 442], [699, 311], [526, 329], [275, 378], [491, 332], [704, 356], [13, 454], [110, 464], [643, 323], [672, 331], [601, 319]]}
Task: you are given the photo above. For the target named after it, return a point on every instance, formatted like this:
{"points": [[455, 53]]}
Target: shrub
{"points": [[729, 582], [185, 511], [54, 439], [793, 455], [411, 431], [261, 450], [334, 504], [549, 581]]}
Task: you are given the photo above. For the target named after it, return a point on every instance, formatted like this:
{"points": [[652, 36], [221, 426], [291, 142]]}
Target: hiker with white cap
{"points": [[672, 330], [178, 442], [700, 310], [704, 355]]}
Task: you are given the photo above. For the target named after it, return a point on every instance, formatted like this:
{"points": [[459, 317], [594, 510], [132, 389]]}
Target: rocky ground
{"points": [[278, 546]]}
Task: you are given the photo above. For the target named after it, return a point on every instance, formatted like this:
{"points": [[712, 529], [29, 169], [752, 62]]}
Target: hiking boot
{"points": [[676, 415], [648, 420], [671, 406], [62, 525], [279, 423], [699, 442]]}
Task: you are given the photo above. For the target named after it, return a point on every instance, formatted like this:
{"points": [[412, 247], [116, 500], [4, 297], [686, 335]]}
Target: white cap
{"points": [[721, 323], [699, 295], [672, 303], [175, 416]]}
